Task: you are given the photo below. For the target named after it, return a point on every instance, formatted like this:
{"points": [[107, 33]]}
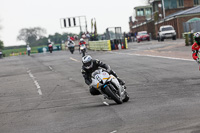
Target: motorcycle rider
{"points": [[71, 45], [80, 43], [89, 66], [196, 47], [50, 46]]}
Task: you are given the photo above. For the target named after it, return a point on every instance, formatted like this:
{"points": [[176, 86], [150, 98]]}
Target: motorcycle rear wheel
{"points": [[111, 94]]}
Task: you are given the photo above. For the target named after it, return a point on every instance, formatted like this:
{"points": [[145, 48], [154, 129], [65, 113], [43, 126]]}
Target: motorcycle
{"points": [[109, 86], [82, 49], [50, 48], [71, 47]]}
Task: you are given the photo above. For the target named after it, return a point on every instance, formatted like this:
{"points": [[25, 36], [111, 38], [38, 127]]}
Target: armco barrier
{"points": [[63, 46], [106, 44], [100, 45], [46, 49], [22, 53], [126, 44]]}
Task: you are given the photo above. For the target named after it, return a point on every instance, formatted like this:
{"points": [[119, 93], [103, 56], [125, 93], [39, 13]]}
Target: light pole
{"points": [[163, 8]]}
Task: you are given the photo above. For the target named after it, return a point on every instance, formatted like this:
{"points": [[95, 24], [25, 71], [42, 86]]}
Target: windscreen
{"points": [[95, 73], [141, 33], [167, 28]]}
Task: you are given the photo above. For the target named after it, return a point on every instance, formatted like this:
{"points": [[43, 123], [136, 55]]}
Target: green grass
{"points": [[7, 52]]}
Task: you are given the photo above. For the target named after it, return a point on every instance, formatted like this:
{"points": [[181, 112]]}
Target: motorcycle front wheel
{"points": [[126, 97], [83, 53], [111, 94]]}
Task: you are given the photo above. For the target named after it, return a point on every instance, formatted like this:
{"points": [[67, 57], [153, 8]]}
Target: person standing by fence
{"points": [[28, 50], [0, 54]]}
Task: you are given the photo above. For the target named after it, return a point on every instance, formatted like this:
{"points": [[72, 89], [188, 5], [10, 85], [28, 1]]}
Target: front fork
{"points": [[120, 91]]}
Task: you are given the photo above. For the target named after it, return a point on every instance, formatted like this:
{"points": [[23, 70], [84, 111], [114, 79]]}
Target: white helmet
{"points": [[197, 38], [87, 61], [81, 40]]}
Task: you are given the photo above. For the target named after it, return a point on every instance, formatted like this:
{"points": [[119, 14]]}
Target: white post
{"points": [[163, 8]]}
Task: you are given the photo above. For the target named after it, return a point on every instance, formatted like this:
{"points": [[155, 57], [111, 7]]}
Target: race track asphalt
{"points": [[46, 93]]}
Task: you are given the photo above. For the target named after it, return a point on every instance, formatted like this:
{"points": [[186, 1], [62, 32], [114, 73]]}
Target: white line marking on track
{"points": [[114, 131], [74, 59], [50, 68], [40, 92], [173, 58], [106, 103], [35, 81], [37, 85]]}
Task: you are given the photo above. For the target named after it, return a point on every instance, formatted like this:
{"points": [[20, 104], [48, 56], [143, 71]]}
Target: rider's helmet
{"points": [[81, 40], [87, 61], [197, 38], [70, 40]]}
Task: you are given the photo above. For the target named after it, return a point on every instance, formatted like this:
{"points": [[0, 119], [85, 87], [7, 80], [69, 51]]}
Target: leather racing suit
{"points": [[87, 74], [80, 43], [195, 51]]}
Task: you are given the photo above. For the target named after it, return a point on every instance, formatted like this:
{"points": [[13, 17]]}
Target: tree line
{"points": [[1, 42], [35, 36]]}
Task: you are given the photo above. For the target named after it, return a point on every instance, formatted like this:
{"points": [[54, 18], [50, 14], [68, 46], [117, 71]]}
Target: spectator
{"points": [[92, 37], [135, 35], [68, 38], [83, 35], [28, 50], [72, 38], [88, 35], [126, 35], [76, 37], [132, 37], [0, 54], [129, 37]]}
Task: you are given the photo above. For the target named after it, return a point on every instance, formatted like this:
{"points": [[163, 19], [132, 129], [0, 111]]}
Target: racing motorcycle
{"points": [[71, 47], [109, 86], [50, 48], [82, 49]]}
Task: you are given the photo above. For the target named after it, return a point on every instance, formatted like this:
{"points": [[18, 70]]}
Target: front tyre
{"points": [[83, 53], [111, 94], [126, 97]]}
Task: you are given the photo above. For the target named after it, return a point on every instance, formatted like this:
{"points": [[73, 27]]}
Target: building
{"points": [[175, 13], [177, 19], [143, 14], [171, 6]]}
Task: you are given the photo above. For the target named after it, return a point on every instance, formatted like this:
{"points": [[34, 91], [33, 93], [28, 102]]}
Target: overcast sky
{"points": [[18, 14]]}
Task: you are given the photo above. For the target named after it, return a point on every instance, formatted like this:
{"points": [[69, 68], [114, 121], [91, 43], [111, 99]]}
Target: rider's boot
{"points": [[105, 96]]}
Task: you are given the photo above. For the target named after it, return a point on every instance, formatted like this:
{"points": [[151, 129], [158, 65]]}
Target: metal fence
{"points": [[191, 26], [113, 33]]}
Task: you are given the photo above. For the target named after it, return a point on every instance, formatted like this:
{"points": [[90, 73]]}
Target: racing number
{"points": [[98, 78]]}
